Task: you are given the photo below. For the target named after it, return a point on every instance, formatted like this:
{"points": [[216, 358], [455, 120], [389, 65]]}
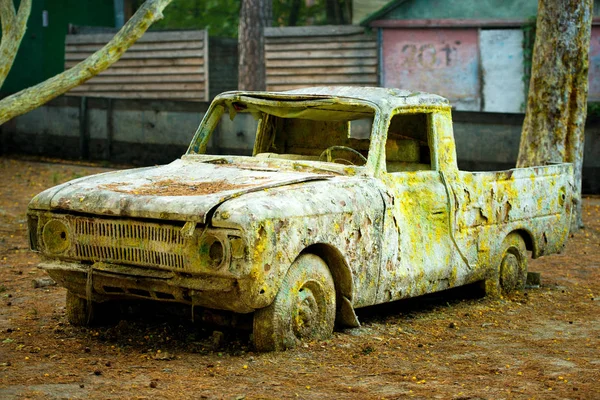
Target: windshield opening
{"points": [[315, 130]]}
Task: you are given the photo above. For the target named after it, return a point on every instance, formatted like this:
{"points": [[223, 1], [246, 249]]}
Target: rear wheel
{"points": [[511, 273], [304, 308], [513, 266]]}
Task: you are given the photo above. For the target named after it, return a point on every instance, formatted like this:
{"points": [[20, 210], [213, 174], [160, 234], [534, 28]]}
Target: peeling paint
{"points": [[389, 213]]}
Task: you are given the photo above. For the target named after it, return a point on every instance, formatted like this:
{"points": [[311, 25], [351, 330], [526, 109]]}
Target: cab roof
{"points": [[384, 98]]}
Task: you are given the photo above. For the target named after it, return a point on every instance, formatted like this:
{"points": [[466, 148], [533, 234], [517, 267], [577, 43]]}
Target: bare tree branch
{"points": [[13, 30], [33, 97]]}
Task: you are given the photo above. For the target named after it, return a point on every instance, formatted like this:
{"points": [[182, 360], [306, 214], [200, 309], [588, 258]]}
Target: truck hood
{"points": [[185, 190]]}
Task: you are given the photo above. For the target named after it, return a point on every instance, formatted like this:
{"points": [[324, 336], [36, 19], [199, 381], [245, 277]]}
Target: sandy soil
{"points": [[542, 343]]}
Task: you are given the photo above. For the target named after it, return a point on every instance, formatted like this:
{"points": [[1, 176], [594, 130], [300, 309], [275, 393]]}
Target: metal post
{"points": [[109, 129], [84, 134]]}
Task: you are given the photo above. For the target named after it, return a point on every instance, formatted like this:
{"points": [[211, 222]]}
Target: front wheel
{"points": [[79, 312], [304, 308]]}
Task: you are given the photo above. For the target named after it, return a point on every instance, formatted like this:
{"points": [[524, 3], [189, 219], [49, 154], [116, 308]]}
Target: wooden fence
{"points": [[299, 57], [160, 65]]}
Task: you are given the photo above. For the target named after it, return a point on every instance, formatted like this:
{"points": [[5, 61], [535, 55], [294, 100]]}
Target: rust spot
{"points": [[507, 208], [170, 187]]}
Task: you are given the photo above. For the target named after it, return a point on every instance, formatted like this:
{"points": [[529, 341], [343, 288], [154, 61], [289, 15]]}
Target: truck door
{"points": [[419, 255]]}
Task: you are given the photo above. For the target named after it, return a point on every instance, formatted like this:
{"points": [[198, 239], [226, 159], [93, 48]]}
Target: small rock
{"points": [[163, 356], [43, 282], [108, 364]]}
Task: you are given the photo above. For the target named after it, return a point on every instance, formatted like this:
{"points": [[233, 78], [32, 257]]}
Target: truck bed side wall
{"points": [[536, 201]]}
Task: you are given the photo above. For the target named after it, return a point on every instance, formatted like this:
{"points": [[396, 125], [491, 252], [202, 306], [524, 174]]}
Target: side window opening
{"points": [[407, 147]]}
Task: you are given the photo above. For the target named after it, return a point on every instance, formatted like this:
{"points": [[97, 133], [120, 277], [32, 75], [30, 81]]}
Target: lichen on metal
{"points": [[352, 198]]}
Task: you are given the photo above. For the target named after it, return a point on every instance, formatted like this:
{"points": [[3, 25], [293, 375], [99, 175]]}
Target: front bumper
{"points": [[113, 282]]}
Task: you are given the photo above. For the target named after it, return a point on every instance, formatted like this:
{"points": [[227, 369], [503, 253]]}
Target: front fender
{"points": [[279, 223]]}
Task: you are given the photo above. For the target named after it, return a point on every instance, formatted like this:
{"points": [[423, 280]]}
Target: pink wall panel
{"points": [[594, 72], [441, 61]]}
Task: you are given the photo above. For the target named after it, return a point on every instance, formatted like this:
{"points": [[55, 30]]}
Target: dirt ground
{"points": [[543, 343]]}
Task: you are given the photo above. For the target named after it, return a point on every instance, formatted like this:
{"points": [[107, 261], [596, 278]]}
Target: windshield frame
{"points": [[223, 103]]}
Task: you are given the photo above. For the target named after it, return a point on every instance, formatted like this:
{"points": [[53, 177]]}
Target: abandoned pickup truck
{"points": [[352, 197]]}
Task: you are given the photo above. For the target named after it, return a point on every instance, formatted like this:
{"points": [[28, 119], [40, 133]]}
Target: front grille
{"points": [[128, 242]]}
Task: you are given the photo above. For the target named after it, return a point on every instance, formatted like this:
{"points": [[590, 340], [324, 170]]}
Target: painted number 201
{"points": [[425, 56]]}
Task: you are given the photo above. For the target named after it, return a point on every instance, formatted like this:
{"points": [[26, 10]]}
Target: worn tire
{"points": [[510, 268], [512, 271], [77, 310], [304, 308]]}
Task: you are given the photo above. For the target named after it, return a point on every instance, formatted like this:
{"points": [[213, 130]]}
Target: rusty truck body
{"points": [[352, 197]]}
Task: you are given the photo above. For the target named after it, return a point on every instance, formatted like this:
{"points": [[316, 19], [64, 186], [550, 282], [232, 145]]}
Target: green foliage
{"points": [[593, 111], [220, 17], [306, 15]]}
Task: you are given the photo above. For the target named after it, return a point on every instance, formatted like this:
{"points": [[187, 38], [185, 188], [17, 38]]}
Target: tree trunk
{"points": [[294, 12], [33, 97], [553, 130], [255, 15], [13, 30], [338, 12]]}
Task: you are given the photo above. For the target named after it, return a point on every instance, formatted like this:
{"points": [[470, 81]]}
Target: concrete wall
{"points": [[490, 141], [143, 132]]}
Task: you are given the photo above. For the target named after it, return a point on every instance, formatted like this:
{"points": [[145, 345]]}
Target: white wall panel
{"points": [[502, 70]]}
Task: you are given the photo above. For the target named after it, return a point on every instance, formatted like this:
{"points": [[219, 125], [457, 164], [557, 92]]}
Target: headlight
{"points": [[212, 250], [216, 254], [56, 236]]}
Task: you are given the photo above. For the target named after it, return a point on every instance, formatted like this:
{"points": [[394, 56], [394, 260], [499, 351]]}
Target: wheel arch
{"points": [[527, 236], [342, 278]]}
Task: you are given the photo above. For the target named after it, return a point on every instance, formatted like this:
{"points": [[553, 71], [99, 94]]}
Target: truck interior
{"points": [[325, 132]]}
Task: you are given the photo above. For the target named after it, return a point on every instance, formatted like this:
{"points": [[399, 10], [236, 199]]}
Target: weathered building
{"points": [[476, 53]]}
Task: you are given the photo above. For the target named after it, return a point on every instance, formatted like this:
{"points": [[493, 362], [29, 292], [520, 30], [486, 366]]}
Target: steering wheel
{"points": [[326, 155]]}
